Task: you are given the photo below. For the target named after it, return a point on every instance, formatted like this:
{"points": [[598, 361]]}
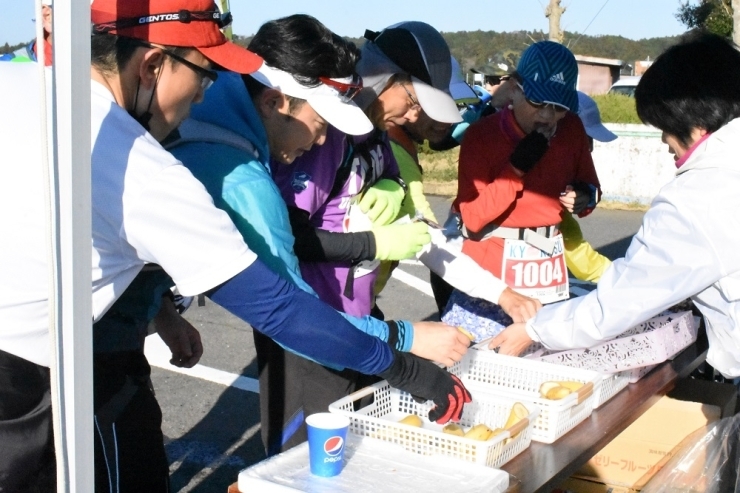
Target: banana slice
{"points": [[571, 385], [453, 429], [479, 432], [546, 387], [557, 393], [412, 420], [494, 432], [466, 333]]}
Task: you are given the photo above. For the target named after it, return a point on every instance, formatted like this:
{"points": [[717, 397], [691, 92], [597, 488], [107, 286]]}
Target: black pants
{"points": [[442, 291], [292, 388], [27, 461], [129, 445]]}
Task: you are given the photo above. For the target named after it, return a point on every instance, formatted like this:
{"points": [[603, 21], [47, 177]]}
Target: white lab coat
{"points": [[688, 246]]}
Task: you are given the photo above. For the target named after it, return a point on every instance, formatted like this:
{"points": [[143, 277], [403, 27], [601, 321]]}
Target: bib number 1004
{"points": [[536, 273]]}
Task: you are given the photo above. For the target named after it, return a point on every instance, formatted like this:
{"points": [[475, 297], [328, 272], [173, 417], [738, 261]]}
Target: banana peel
{"points": [[518, 412]]}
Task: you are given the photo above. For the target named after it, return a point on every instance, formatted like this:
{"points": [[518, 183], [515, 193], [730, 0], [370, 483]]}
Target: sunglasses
{"points": [[415, 106], [540, 106], [556, 107], [346, 91]]}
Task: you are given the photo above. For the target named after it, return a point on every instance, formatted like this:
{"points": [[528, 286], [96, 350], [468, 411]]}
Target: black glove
{"points": [[424, 379], [528, 151]]}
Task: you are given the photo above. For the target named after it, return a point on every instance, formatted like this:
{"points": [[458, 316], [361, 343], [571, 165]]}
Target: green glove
{"points": [[400, 241], [382, 201]]}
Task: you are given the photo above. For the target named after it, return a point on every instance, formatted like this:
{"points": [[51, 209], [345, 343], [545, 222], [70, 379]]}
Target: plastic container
{"points": [[372, 465], [637, 373], [649, 343], [611, 385], [520, 378], [380, 419]]}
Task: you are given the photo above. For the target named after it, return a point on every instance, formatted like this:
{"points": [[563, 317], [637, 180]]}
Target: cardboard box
{"points": [[636, 454], [577, 485]]}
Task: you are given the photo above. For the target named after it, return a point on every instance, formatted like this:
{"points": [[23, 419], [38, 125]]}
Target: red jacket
{"points": [[489, 191]]}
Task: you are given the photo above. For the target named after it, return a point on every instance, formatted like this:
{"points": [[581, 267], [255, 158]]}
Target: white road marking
{"points": [[411, 261], [159, 355], [413, 281]]}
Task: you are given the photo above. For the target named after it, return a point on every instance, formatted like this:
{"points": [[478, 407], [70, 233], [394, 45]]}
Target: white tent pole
{"points": [[71, 229]]}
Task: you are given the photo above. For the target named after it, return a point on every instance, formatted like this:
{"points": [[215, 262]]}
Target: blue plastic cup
{"points": [[327, 434]]}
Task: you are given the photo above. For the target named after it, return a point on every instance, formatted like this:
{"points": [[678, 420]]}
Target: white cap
{"points": [[438, 105], [589, 113], [339, 111]]}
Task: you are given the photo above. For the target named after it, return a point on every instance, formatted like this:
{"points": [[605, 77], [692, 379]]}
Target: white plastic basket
{"points": [[611, 385], [519, 378], [380, 419], [637, 373], [649, 343]]}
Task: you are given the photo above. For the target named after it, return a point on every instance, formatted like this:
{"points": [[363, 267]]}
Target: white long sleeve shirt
{"points": [[688, 246]]}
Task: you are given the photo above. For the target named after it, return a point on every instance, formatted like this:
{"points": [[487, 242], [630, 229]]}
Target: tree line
{"points": [[477, 49]]}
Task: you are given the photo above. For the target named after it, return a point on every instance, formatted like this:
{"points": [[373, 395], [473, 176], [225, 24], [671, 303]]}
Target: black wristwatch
{"points": [[400, 181]]}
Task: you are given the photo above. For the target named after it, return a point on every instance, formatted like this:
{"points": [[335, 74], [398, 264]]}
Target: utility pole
{"points": [[553, 12], [736, 21]]}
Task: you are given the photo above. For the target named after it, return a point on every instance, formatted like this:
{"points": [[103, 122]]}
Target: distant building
{"points": [[596, 75], [642, 65]]}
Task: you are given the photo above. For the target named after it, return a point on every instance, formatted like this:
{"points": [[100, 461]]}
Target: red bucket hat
{"points": [[185, 23]]}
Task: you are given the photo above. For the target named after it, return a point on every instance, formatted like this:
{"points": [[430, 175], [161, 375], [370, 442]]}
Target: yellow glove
{"points": [[582, 260], [382, 201], [400, 241]]}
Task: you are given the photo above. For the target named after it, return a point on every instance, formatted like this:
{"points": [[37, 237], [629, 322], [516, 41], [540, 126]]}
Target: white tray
{"points": [[647, 344], [372, 465]]}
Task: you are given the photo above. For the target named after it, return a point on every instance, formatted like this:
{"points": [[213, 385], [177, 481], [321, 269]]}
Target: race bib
{"points": [[532, 272]]}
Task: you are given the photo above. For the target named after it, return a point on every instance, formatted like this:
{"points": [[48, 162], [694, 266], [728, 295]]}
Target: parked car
{"points": [[625, 85]]}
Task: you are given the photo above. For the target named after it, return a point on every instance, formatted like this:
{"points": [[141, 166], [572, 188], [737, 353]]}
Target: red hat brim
{"points": [[232, 57]]}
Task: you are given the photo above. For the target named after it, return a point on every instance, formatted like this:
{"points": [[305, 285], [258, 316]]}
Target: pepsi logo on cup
{"points": [[333, 447]]}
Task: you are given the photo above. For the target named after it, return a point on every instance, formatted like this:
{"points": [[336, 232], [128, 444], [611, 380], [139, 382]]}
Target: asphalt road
{"points": [[211, 415]]}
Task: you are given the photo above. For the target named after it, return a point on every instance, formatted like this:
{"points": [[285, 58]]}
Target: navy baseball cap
{"points": [[549, 73], [420, 51]]}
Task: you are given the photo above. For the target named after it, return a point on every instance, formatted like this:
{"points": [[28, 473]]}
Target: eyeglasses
{"points": [[414, 102], [207, 77], [346, 91]]}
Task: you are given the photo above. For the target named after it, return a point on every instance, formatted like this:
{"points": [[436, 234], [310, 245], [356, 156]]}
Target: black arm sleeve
{"points": [[318, 245]]}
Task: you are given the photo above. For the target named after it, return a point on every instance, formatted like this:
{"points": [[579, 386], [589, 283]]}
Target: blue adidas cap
{"points": [[549, 73]]}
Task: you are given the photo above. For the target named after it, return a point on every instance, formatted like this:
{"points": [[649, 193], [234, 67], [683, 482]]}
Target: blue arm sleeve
{"points": [[300, 322], [378, 328], [253, 202]]}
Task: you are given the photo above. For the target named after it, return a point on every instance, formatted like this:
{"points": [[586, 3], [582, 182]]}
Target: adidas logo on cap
{"points": [[558, 78]]}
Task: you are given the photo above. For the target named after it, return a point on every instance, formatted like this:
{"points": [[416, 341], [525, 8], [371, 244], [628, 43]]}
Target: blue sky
{"points": [[634, 19]]}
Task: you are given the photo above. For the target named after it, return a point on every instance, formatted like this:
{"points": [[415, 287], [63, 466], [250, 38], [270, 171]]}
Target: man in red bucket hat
{"points": [[151, 59]]}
